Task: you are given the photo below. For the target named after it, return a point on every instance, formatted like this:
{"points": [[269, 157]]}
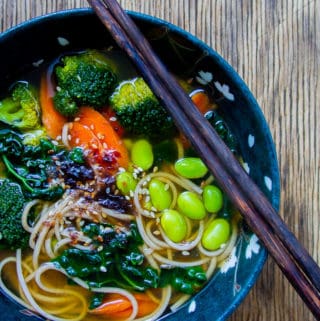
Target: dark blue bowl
{"points": [[24, 47]]}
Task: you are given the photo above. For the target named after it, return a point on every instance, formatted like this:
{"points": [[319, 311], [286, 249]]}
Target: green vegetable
{"points": [[222, 130], [33, 137], [161, 197], [190, 204], [139, 111], [116, 261], [12, 234], [212, 198], [165, 152], [83, 79], [216, 234], [28, 165], [190, 167], [141, 154], [76, 155], [174, 225], [186, 280], [125, 183], [22, 109]]}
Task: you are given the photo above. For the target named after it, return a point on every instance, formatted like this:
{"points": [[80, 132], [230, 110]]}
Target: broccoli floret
{"points": [[34, 137], [22, 109], [83, 79], [12, 233], [139, 111]]}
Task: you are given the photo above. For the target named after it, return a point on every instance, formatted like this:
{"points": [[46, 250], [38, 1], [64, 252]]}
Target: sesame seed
{"points": [[155, 169], [69, 137], [153, 209], [70, 125], [105, 145], [121, 170], [58, 88], [131, 194], [113, 118], [94, 146], [103, 269], [58, 137], [147, 199], [156, 232], [148, 251], [166, 187], [100, 248], [127, 198], [92, 126], [77, 140], [77, 119], [185, 253]]}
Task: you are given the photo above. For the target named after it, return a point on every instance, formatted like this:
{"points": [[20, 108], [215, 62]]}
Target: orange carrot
{"points": [[52, 120], [201, 100], [117, 306], [102, 129], [109, 114]]}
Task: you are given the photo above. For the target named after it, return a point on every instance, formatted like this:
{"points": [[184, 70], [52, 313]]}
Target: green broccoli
{"points": [[83, 79], [139, 111], [22, 109], [12, 233]]}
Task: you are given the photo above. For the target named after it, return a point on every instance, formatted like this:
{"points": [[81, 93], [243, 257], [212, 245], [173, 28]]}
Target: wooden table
{"points": [[274, 46]]}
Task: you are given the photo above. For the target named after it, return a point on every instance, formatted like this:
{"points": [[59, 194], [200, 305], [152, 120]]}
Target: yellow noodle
{"points": [[166, 261]]}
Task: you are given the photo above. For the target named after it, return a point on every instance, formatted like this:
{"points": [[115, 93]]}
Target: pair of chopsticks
{"points": [[294, 261]]}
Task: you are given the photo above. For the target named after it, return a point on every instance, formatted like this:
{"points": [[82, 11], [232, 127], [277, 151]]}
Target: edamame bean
{"points": [[141, 154], [174, 225], [212, 198], [160, 194], [215, 234], [125, 183], [190, 167], [191, 205]]}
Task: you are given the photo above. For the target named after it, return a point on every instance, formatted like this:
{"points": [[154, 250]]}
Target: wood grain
{"points": [[274, 46]]}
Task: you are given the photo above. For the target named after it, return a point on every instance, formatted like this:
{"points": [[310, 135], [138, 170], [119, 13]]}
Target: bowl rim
{"points": [[235, 78]]}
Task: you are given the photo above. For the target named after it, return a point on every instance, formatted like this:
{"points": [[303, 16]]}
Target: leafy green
{"points": [[116, 261], [186, 280]]}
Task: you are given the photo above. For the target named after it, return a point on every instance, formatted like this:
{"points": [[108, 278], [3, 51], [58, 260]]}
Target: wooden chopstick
{"points": [[295, 262]]}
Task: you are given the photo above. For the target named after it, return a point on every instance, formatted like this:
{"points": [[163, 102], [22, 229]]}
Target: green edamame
{"points": [[212, 198], [125, 182], [141, 154], [215, 234], [160, 194], [190, 204], [190, 167], [174, 225]]}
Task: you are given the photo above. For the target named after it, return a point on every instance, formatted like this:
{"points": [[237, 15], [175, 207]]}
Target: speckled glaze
{"points": [[47, 37]]}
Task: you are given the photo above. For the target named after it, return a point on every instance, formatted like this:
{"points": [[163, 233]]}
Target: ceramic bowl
{"points": [[25, 47]]}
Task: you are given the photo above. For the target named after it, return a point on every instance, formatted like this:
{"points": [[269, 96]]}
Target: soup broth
{"points": [[119, 219]]}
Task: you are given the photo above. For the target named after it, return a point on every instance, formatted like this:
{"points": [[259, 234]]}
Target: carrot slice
{"points": [[201, 100], [116, 306], [52, 120], [103, 130]]}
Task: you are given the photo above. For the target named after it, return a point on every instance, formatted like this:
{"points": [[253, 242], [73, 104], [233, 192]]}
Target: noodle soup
{"points": [[112, 214]]}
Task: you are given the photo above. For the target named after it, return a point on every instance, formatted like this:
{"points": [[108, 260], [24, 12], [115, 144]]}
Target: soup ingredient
{"points": [[165, 151], [216, 234], [29, 165], [191, 205], [85, 79], [33, 137], [12, 234], [174, 225], [117, 306], [116, 260], [187, 280], [160, 194], [22, 109], [51, 119], [222, 129], [139, 111], [141, 154], [202, 101], [190, 167], [93, 132], [212, 198], [126, 183]]}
